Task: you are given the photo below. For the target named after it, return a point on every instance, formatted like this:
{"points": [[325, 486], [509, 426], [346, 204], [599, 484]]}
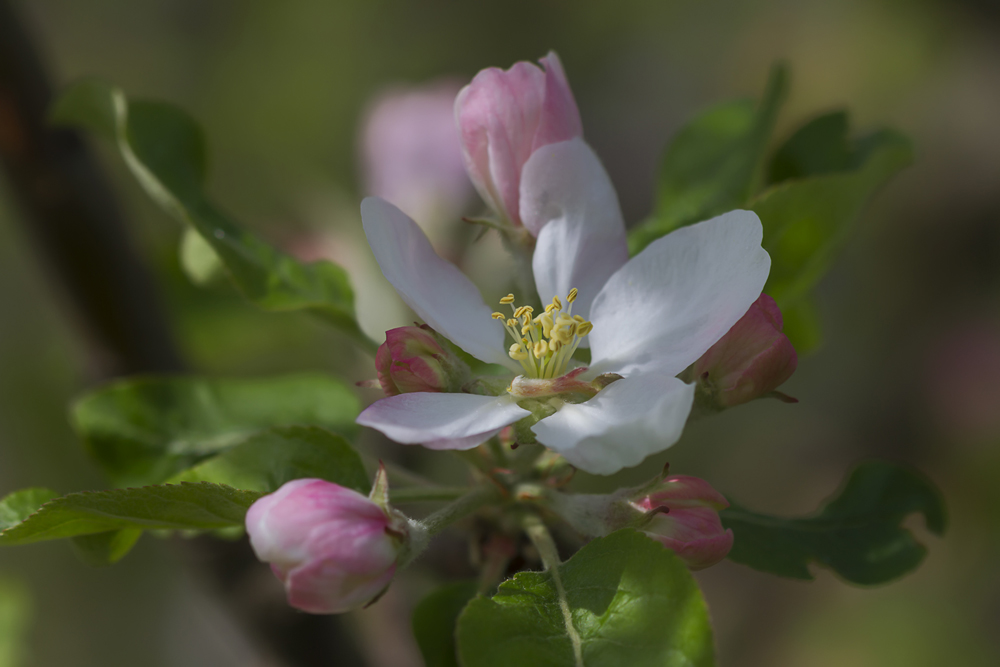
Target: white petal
{"points": [[568, 202], [434, 288], [629, 420], [676, 298], [441, 421]]}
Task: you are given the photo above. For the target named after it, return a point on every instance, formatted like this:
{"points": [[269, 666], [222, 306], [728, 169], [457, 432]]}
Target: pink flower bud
{"points": [[691, 526], [414, 359], [505, 116], [751, 360], [411, 155], [333, 548]]}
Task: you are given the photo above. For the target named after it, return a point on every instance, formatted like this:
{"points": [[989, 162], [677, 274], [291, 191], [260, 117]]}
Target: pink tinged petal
{"points": [[752, 359], [700, 553], [567, 199], [676, 298], [279, 523], [560, 118], [324, 587], [434, 288], [629, 420], [684, 491], [441, 421], [497, 115]]}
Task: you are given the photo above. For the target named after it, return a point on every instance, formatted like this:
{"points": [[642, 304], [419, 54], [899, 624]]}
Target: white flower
{"points": [[652, 316]]}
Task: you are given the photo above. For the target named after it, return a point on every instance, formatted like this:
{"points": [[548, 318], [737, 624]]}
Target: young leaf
{"points": [[631, 601], [19, 505], [164, 149], [858, 534], [271, 458], [806, 221], [714, 163], [200, 506], [821, 146], [145, 430], [434, 622]]}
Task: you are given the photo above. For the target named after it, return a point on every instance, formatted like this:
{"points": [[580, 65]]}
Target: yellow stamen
{"points": [[544, 345]]}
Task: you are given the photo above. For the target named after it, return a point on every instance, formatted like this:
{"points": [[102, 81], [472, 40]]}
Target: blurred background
{"points": [[909, 368]]}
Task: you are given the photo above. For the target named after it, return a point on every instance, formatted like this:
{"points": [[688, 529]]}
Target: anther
{"points": [[507, 299], [557, 303], [499, 316], [572, 295], [541, 347], [512, 323]]}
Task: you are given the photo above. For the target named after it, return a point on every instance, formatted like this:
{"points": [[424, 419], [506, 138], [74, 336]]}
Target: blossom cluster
{"points": [[603, 375]]}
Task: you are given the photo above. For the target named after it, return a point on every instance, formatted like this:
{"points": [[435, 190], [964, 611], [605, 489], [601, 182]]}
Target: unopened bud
{"points": [[750, 361], [332, 548], [416, 359], [506, 115], [684, 517]]}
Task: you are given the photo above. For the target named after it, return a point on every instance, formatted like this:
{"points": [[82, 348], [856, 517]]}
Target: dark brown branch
{"points": [[70, 212]]}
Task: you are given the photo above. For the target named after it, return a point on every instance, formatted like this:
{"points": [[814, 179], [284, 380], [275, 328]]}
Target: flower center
{"points": [[544, 344]]}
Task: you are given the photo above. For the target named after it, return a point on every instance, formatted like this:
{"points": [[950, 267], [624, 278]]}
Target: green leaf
{"points": [[820, 146], [807, 221], [198, 506], [276, 456], [15, 619], [434, 622], [145, 430], [165, 150], [713, 164], [632, 602], [103, 549], [19, 505], [858, 534]]}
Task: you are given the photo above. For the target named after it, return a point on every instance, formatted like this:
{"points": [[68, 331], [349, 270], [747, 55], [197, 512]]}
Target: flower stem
{"points": [[542, 539], [467, 504], [415, 494]]}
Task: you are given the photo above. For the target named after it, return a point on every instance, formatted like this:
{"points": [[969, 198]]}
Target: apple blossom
{"points": [[646, 319], [503, 117], [332, 548]]}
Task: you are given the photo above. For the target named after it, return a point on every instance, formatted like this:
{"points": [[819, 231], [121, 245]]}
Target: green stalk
{"points": [[542, 539], [416, 494]]}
